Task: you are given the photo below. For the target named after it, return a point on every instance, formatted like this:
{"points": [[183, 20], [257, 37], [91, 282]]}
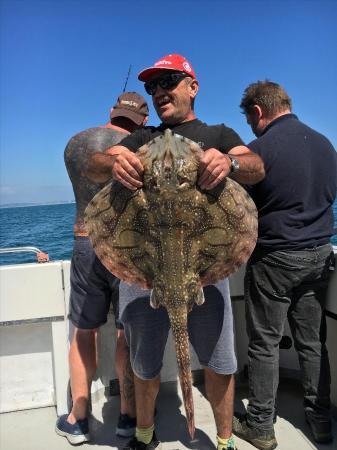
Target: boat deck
{"points": [[34, 429]]}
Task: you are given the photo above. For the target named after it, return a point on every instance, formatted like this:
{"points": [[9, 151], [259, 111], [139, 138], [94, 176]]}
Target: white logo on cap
{"points": [[187, 67], [130, 103], [163, 62]]}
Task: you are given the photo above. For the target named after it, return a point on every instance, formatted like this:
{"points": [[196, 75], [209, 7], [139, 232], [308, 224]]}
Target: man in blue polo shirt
{"points": [[288, 272]]}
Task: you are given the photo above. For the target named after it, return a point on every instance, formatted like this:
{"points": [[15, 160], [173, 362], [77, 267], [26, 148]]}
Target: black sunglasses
{"points": [[169, 81]]}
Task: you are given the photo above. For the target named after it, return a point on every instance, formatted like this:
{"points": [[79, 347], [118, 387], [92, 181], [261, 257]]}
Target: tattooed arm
{"points": [[119, 163]]}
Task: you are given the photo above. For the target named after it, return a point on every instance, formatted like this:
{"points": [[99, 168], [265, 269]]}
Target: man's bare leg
{"points": [[146, 392], [220, 393], [83, 364], [125, 376]]}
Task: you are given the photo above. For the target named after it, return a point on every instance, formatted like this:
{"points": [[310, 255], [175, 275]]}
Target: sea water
{"points": [[47, 227]]}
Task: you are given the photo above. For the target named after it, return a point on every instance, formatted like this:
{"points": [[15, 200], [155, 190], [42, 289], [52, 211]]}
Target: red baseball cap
{"points": [[168, 62]]}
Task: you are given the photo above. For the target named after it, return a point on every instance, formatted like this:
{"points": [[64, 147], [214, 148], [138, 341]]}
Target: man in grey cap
{"points": [[93, 287]]}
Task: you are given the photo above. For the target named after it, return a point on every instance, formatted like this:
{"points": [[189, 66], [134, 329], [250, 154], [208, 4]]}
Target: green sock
{"points": [[145, 434], [223, 444]]}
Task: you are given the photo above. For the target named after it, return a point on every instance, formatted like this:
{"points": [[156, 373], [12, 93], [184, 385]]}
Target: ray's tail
{"points": [[180, 334]]}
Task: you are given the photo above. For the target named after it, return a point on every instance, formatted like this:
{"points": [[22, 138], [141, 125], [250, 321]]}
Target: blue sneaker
{"points": [[126, 426], [77, 433]]}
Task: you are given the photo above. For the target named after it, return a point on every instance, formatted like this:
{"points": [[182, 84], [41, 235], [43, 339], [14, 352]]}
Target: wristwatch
{"points": [[235, 166]]}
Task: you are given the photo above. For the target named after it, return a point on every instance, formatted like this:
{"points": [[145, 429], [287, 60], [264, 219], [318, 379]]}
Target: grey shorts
{"points": [[210, 328], [93, 288]]}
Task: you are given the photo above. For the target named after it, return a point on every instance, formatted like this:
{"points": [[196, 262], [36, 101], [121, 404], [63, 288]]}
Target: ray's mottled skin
{"points": [[172, 237]]}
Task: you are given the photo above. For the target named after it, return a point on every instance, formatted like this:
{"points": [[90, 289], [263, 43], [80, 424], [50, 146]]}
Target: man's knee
{"points": [[151, 374], [120, 337], [147, 383], [211, 374], [83, 336]]}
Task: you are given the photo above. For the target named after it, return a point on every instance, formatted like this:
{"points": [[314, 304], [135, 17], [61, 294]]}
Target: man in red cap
{"points": [[172, 83], [93, 288]]}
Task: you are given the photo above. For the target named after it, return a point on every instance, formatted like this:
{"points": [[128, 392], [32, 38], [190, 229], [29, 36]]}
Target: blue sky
{"points": [[64, 62]]}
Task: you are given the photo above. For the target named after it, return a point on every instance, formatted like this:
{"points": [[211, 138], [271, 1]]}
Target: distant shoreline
{"points": [[25, 205]]}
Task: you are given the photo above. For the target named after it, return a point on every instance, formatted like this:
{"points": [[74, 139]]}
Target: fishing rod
{"points": [[127, 78]]}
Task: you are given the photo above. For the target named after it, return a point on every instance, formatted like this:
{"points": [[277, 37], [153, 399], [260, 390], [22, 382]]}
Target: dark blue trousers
{"points": [[281, 285]]}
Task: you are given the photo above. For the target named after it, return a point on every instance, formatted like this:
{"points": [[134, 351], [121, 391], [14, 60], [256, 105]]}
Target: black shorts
{"points": [[93, 288]]}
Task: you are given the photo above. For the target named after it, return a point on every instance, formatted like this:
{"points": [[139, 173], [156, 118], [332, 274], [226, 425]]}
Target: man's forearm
{"points": [[251, 168]]}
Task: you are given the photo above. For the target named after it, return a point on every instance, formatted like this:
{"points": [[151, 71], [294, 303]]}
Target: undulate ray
{"points": [[173, 237]]}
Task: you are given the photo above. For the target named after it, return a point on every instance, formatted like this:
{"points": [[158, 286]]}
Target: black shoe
{"points": [[126, 426], [76, 433], [134, 444], [320, 427], [261, 439]]}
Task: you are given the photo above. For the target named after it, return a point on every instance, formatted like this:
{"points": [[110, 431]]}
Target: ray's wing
{"points": [[229, 234], [117, 222]]}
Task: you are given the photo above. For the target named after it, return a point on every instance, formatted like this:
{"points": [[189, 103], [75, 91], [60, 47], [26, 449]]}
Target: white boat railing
{"points": [[20, 250]]}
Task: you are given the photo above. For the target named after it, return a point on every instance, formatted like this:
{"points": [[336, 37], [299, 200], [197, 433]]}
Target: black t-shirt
{"points": [[206, 136], [294, 200]]}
